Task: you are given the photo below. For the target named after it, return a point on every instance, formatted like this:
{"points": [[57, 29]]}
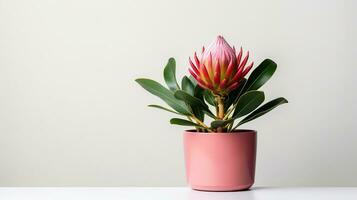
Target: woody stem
{"points": [[200, 122], [220, 110]]}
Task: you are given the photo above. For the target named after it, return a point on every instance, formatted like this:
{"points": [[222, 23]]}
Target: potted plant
{"points": [[218, 156]]}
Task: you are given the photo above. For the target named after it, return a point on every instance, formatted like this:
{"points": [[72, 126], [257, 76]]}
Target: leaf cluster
{"points": [[194, 103]]}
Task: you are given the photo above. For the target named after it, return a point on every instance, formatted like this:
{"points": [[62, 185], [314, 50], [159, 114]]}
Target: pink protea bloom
{"points": [[220, 68]]}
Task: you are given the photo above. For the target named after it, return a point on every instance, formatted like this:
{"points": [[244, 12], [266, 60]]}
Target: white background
{"points": [[72, 115]]}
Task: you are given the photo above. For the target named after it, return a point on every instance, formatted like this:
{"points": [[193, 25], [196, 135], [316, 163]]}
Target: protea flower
{"points": [[220, 68]]}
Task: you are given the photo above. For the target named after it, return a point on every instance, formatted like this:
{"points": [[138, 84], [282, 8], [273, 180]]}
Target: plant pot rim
{"points": [[235, 132]]}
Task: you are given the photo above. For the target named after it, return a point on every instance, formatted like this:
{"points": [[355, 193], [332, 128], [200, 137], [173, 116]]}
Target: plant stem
{"points": [[220, 110], [200, 123], [235, 101], [190, 119]]}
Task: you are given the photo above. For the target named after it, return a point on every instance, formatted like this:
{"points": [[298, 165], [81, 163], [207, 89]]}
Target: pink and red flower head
{"points": [[220, 67]]}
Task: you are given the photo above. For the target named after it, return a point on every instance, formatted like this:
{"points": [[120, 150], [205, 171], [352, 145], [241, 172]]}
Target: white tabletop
{"points": [[176, 193]]}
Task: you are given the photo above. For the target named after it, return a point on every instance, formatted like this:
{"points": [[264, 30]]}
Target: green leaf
{"points": [[193, 101], [163, 108], [263, 109], [260, 75], [220, 123], [247, 103], [197, 111], [209, 113], [189, 99], [234, 95], [170, 75], [199, 93], [209, 97], [166, 95], [183, 122], [187, 85], [193, 80]]}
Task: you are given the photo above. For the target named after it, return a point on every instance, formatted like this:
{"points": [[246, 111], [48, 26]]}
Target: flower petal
{"points": [[239, 56], [229, 70], [238, 75], [245, 72], [196, 60], [205, 74], [233, 86], [245, 60], [202, 85], [193, 73], [217, 73], [223, 84], [193, 66]]}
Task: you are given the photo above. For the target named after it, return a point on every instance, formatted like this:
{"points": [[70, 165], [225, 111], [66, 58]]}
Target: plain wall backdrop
{"points": [[72, 115]]}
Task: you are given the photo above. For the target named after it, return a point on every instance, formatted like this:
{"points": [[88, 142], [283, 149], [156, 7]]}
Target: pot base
{"points": [[221, 188]]}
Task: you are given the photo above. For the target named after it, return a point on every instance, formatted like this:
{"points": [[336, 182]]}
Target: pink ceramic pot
{"points": [[220, 161]]}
